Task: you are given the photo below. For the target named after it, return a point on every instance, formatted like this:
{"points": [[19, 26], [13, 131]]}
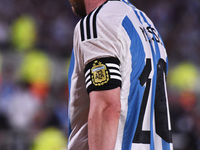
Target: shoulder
{"points": [[107, 17], [113, 13]]}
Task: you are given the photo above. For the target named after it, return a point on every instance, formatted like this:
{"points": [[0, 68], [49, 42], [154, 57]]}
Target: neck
{"points": [[90, 5]]}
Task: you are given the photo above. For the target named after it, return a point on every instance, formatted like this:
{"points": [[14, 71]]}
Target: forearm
{"points": [[102, 129], [103, 119]]}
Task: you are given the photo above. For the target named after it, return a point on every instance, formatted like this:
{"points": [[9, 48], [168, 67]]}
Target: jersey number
{"points": [[160, 107]]}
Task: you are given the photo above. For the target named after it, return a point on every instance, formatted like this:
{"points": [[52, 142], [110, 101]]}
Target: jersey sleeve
{"points": [[102, 74], [100, 50]]}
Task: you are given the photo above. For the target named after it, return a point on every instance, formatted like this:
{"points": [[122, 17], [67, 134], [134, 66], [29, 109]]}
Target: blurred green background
{"points": [[35, 46]]}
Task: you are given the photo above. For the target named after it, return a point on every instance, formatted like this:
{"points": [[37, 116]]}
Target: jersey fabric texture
{"points": [[117, 45]]}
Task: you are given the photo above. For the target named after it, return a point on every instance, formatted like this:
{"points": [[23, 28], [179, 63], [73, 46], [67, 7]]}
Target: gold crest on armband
{"points": [[100, 74]]}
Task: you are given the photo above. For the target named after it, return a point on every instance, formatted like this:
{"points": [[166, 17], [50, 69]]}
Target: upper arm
{"points": [[103, 83], [107, 97], [106, 103], [99, 55]]}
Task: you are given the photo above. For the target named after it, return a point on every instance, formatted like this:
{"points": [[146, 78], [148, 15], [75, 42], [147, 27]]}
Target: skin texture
{"points": [[103, 119], [90, 5]]}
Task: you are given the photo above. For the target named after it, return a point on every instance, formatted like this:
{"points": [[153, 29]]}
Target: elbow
{"points": [[112, 112]]}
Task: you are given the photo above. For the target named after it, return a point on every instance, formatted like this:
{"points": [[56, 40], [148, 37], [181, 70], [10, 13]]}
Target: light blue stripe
{"points": [[161, 39], [156, 57], [71, 70], [165, 145], [136, 90], [98, 68], [133, 105], [167, 66], [152, 147], [138, 16], [155, 42]]}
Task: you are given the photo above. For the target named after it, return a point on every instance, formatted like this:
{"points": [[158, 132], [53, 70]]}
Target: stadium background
{"points": [[35, 47]]}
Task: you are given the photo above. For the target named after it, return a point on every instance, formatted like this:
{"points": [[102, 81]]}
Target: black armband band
{"points": [[102, 74]]}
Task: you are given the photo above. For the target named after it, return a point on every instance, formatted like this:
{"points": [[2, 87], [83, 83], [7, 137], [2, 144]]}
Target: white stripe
{"points": [[147, 114], [87, 72], [114, 71], [88, 84], [112, 65], [168, 115], [88, 78], [85, 28], [157, 138], [124, 97], [115, 77], [171, 146], [138, 146], [91, 25]]}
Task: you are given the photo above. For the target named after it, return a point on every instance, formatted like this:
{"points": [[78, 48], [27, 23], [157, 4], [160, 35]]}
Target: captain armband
{"points": [[102, 74]]}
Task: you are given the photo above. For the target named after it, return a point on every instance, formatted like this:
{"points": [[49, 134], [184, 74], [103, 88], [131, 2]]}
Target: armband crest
{"points": [[102, 74]]}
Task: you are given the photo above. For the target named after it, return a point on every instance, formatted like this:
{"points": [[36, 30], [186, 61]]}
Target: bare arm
{"points": [[103, 119]]}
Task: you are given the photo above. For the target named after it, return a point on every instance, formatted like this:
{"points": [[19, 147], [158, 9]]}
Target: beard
{"points": [[78, 7]]}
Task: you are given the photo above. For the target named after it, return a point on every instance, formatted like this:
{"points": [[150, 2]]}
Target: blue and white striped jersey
{"points": [[118, 45]]}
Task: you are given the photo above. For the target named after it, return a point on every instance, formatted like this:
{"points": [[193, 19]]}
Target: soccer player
{"points": [[117, 87]]}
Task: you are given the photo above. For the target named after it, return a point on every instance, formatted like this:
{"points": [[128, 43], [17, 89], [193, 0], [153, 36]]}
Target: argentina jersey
{"points": [[117, 45]]}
